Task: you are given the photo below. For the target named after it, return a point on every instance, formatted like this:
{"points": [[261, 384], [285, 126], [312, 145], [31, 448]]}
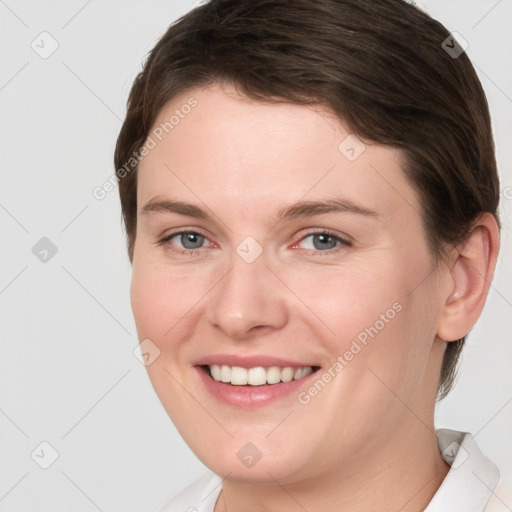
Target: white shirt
{"points": [[467, 487]]}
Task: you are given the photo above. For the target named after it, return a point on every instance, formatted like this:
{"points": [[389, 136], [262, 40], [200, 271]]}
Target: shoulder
{"points": [[198, 497]]}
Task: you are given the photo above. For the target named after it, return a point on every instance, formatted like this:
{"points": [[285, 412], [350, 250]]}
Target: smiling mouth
{"points": [[257, 376]]}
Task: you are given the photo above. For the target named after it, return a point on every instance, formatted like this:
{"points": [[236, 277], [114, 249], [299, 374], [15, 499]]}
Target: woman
{"points": [[310, 196]]}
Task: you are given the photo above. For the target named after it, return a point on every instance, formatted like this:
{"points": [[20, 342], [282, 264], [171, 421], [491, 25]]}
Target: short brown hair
{"points": [[383, 66]]}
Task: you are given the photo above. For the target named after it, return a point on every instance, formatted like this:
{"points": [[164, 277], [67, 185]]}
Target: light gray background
{"points": [[69, 376]]}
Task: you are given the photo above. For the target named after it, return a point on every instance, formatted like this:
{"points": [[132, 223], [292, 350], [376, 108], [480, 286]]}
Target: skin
{"points": [[372, 426]]}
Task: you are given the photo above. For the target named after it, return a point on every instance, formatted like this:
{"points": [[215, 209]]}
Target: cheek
{"points": [[369, 318], [345, 303], [163, 302], [162, 297]]}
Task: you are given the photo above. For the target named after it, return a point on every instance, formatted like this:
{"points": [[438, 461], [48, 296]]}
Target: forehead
{"points": [[214, 143]]}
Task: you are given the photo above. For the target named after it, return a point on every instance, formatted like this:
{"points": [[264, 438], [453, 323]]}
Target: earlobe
{"points": [[471, 274]]}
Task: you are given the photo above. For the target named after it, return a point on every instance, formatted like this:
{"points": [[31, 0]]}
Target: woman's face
{"points": [[273, 245]]}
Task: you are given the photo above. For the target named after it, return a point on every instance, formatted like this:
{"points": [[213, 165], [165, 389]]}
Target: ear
{"points": [[471, 274]]}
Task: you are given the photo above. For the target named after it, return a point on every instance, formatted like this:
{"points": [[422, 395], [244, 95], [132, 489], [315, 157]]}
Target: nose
{"points": [[248, 301]]}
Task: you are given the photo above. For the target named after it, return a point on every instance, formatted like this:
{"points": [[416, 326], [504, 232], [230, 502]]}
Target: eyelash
{"points": [[195, 252]]}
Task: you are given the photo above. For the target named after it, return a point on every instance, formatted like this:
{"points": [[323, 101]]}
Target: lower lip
{"points": [[251, 396]]}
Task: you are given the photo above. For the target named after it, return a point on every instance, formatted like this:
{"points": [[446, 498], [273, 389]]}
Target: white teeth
{"points": [[238, 376], [297, 374], [258, 375], [225, 373], [306, 371], [273, 375], [287, 374], [215, 371]]}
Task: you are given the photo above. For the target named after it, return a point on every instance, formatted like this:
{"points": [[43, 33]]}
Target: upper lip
{"points": [[250, 361]]}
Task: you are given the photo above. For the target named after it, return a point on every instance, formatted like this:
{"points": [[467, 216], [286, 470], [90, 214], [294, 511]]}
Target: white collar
{"points": [[472, 478]]}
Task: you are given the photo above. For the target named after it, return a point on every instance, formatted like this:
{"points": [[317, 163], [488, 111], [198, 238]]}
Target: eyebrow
{"points": [[300, 209]]}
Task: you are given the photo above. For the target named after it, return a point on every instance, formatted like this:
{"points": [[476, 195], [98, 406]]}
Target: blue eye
{"points": [[188, 239], [323, 241], [190, 242]]}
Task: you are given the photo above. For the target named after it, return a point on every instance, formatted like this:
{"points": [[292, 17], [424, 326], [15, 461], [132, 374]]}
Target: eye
{"points": [[189, 242], [186, 241], [322, 241]]}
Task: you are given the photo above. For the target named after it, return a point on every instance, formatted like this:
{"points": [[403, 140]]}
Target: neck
{"points": [[404, 475]]}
